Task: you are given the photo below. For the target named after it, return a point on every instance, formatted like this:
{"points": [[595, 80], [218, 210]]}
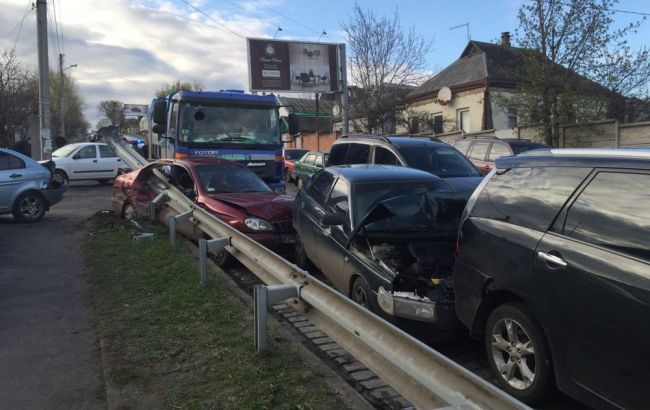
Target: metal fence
{"points": [[422, 375]]}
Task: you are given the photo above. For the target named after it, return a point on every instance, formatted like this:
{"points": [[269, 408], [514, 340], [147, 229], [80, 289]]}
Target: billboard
{"points": [[135, 109], [290, 66]]}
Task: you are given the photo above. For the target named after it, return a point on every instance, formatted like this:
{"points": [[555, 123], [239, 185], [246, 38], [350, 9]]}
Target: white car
{"points": [[85, 160]]}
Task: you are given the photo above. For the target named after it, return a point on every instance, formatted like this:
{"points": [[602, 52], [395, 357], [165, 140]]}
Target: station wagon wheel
{"points": [[517, 353], [29, 207], [361, 293]]}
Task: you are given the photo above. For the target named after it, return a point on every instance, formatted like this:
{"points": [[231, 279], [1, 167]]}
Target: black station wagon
{"points": [[385, 236], [553, 272]]}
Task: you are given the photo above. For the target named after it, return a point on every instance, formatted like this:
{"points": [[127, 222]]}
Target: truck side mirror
{"points": [[294, 126], [158, 128], [159, 112]]}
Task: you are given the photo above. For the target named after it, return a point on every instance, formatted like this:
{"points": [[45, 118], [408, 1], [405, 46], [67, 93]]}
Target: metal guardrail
{"points": [[422, 375]]}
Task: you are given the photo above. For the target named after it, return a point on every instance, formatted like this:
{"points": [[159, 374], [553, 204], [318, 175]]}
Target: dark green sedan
{"points": [[311, 162]]}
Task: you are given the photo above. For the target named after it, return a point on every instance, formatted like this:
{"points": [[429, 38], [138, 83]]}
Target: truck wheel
{"points": [[29, 207], [518, 354]]}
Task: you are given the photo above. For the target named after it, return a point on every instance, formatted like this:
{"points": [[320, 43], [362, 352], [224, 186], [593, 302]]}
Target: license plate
{"points": [[288, 239]]}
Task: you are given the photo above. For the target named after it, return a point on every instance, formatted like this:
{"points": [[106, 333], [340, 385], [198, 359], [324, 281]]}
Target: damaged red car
{"points": [[228, 190]]}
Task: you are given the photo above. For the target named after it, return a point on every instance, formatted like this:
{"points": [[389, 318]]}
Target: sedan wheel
{"points": [[128, 212], [29, 207], [361, 293], [517, 353], [59, 178]]}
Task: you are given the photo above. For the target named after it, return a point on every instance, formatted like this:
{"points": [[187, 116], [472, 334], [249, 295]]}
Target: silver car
{"points": [[25, 186]]}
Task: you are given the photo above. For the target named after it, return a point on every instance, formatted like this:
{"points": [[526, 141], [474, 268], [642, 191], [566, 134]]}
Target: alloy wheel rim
{"points": [[513, 353], [360, 297], [31, 207]]}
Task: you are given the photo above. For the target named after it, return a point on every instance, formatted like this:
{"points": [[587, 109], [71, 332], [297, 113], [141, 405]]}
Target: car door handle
{"points": [[555, 260], [119, 160], [14, 175], [94, 160]]}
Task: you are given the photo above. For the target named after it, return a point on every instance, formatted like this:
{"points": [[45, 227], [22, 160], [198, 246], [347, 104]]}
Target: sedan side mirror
{"points": [[76, 156], [331, 218]]}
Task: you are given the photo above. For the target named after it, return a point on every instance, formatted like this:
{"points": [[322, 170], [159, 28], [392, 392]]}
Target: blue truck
{"points": [[228, 124]]}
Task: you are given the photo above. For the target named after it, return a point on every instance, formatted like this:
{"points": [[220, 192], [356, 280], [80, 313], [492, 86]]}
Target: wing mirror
{"points": [[76, 156], [331, 218]]}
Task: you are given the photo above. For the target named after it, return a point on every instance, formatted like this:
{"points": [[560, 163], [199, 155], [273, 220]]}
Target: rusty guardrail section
{"points": [[422, 375]]}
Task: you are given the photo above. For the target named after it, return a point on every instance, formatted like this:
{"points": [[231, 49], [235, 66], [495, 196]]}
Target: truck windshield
{"points": [[227, 125]]}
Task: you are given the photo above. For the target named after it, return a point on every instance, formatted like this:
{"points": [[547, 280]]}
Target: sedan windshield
{"points": [[445, 162], [64, 151], [215, 179], [228, 125]]}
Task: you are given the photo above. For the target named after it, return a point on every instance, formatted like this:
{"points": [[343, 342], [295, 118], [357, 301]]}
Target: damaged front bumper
{"points": [[410, 306]]}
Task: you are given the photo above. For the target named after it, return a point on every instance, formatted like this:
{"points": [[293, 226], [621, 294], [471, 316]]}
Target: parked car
{"points": [[26, 190], [311, 162], [385, 236], [291, 155], [553, 272], [84, 161], [435, 157], [226, 189], [484, 151]]}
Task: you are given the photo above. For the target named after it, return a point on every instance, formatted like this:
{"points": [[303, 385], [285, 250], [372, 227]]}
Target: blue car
{"points": [[26, 190]]}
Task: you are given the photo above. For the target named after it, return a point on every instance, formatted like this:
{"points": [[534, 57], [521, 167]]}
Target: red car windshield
{"points": [[215, 179]]}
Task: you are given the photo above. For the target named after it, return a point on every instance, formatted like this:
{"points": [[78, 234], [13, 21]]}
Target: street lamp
{"points": [[62, 94]]}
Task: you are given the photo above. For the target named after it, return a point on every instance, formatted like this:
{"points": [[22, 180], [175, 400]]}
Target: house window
{"points": [[437, 124], [512, 120], [415, 125], [463, 120]]}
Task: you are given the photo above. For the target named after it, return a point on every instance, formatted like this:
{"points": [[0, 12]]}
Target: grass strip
{"points": [[184, 346]]}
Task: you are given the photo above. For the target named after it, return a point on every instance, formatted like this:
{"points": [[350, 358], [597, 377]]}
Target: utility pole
{"points": [[61, 95], [317, 122], [43, 143], [345, 116]]}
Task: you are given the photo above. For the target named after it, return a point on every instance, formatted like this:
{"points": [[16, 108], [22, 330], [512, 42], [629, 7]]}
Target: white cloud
{"points": [[125, 49]]}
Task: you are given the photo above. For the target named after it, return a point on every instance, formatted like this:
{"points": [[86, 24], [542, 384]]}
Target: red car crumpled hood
{"points": [[269, 206]]}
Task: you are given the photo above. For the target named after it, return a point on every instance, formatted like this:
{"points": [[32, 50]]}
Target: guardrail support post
{"points": [[263, 297], [153, 205], [175, 220], [206, 246]]}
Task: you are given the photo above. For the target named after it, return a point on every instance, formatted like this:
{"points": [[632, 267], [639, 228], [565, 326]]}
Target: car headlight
{"points": [[407, 305], [258, 224]]}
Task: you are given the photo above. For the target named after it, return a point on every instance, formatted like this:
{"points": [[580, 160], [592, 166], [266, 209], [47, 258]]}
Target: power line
{"points": [[18, 25], [283, 29], [213, 19], [638, 13], [291, 19], [56, 25]]}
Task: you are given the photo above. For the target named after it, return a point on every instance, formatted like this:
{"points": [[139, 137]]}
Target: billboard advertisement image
{"points": [[291, 66]]}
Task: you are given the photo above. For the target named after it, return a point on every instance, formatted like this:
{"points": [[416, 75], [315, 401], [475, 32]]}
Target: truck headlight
{"points": [[257, 224]]}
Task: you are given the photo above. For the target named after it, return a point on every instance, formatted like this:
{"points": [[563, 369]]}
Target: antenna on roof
{"points": [[461, 25]]}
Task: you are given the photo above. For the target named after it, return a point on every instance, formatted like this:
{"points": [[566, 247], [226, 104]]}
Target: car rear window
{"points": [[443, 161], [347, 154], [8, 161], [518, 149], [528, 197]]}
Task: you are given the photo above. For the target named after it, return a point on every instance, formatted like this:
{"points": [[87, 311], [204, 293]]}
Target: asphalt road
{"points": [[49, 351]]}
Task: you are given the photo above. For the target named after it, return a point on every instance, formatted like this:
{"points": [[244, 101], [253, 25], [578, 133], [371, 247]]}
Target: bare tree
{"points": [[415, 121], [386, 62], [113, 110], [75, 122], [571, 47], [179, 85], [18, 98]]}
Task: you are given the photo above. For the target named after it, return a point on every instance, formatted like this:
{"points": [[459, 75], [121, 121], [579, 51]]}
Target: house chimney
{"points": [[505, 39]]}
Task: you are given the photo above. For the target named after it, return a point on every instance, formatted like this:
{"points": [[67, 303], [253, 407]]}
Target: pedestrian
{"points": [[24, 146]]}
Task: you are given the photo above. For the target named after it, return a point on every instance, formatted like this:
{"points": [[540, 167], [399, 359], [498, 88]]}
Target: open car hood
{"points": [[443, 215], [266, 205]]}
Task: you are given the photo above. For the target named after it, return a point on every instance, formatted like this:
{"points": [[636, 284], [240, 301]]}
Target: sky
{"points": [[126, 49]]}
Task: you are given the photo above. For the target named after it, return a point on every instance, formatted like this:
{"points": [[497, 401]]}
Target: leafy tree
{"points": [[112, 110], [18, 98], [571, 46], [385, 62], [75, 122], [178, 85]]}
